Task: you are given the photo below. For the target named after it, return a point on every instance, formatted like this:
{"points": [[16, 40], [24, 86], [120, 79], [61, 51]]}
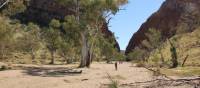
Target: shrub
{"points": [[113, 84]]}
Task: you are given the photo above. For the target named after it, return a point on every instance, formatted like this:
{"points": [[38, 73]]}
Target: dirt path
{"points": [[48, 76], [94, 77], [67, 76]]}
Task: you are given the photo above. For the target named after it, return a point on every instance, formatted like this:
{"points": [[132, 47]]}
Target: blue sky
{"points": [[125, 23]]}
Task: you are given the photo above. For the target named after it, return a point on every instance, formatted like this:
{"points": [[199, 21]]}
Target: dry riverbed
{"points": [[47, 76]]}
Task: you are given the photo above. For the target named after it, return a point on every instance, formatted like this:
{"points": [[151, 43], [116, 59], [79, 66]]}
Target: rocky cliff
{"points": [[168, 19], [42, 11], [108, 34]]}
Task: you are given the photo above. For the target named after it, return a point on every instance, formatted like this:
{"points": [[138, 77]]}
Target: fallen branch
{"points": [[161, 74], [166, 81]]}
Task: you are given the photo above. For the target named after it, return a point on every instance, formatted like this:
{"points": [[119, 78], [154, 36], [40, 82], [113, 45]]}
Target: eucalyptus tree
{"points": [[174, 56], [6, 36], [31, 41], [12, 7], [90, 15], [70, 39], [154, 41], [52, 38], [107, 50], [137, 54]]}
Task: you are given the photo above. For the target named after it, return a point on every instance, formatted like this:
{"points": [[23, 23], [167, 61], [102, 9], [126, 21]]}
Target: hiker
{"points": [[116, 66]]}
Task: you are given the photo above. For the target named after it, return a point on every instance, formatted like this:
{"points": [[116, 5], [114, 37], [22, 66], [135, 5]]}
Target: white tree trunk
{"points": [[4, 3], [52, 57], [2, 51], [32, 54], [85, 60]]}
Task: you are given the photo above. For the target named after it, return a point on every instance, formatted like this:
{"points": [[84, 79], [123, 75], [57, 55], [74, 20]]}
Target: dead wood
{"points": [[164, 80]]}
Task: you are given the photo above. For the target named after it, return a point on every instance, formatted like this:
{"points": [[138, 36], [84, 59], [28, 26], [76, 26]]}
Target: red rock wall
{"points": [[165, 19], [42, 11]]}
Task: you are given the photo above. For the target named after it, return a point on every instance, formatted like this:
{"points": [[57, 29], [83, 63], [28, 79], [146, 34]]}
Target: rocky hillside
{"points": [[187, 45], [174, 16], [42, 11]]}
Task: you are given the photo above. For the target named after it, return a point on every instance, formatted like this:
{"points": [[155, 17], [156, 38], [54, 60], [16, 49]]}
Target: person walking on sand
{"points": [[116, 66]]}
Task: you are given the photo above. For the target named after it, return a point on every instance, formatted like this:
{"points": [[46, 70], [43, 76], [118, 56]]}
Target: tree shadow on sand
{"points": [[51, 72]]}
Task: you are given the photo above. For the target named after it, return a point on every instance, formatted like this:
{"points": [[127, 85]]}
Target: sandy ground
{"points": [[95, 77]]}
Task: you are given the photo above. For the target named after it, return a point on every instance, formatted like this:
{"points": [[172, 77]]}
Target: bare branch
{"points": [[166, 81], [108, 21], [4, 3]]}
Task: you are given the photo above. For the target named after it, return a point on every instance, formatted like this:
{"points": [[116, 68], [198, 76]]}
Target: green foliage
{"points": [[154, 39], [136, 54], [174, 57], [154, 42], [52, 39], [64, 37], [68, 51], [89, 17], [72, 30], [182, 71], [17, 6], [119, 56], [91, 12], [113, 84], [30, 42], [55, 23], [107, 49], [52, 36], [6, 30], [69, 48], [155, 58], [32, 37], [184, 44], [65, 2], [6, 36]]}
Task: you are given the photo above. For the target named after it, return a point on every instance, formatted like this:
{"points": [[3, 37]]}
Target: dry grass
{"points": [[94, 77], [186, 44], [182, 71]]}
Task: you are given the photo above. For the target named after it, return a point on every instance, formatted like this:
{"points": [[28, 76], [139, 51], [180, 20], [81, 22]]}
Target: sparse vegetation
{"points": [[59, 38], [73, 38], [113, 84], [182, 71]]}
